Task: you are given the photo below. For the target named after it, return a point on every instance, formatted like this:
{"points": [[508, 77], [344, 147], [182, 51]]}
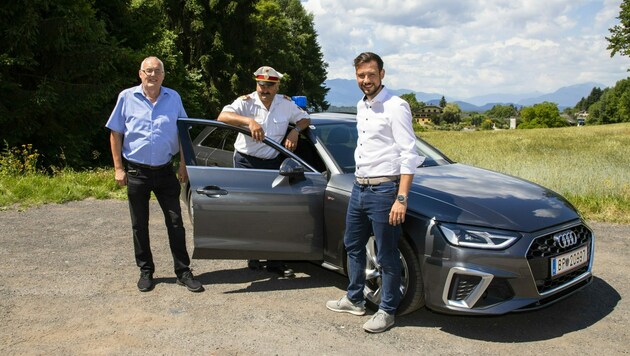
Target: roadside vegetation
{"points": [[588, 165]]}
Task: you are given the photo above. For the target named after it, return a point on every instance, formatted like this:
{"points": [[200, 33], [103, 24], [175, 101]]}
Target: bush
{"points": [[17, 161]]}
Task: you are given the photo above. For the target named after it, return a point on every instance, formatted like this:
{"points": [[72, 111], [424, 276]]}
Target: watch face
{"points": [[401, 198]]}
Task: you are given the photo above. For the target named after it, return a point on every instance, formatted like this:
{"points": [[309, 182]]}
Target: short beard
{"points": [[372, 91]]}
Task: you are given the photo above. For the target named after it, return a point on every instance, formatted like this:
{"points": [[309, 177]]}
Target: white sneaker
{"points": [[344, 305], [379, 322]]}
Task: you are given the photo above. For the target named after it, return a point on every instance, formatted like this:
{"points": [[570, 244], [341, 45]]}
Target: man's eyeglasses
{"points": [[152, 71], [266, 84]]}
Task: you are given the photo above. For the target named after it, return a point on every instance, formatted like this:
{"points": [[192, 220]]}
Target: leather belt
{"points": [[146, 166], [376, 180]]}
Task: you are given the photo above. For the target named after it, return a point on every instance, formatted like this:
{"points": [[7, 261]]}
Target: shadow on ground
{"points": [[574, 313], [308, 275]]}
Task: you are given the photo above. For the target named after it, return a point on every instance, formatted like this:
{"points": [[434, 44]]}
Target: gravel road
{"points": [[68, 286]]}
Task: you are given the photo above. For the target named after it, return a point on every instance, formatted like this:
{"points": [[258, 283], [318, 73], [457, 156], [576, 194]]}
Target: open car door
{"points": [[249, 213]]}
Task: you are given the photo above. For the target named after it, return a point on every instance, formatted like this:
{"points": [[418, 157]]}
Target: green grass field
{"points": [[35, 189], [588, 165]]}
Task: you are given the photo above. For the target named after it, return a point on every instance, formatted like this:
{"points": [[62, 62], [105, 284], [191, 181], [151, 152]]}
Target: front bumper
{"points": [[487, 282]]}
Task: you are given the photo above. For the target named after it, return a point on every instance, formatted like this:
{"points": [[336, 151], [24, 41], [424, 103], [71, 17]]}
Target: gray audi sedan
{"points": [[474, 241]]}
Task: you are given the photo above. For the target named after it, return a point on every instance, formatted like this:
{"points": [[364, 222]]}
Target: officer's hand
{"points": [[258, 134], [292, 140]]}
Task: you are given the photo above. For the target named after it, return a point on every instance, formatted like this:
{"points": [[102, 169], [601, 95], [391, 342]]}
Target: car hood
{"points": [[463, 194]]}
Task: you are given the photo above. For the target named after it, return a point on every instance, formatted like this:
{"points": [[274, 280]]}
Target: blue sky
{"points": [[468, 48]]}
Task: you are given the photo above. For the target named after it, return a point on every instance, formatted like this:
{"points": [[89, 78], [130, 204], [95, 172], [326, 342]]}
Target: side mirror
{"points": [[291, 168]]}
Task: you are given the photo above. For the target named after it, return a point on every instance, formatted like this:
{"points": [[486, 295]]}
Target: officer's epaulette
{"points": [[246, 97]]}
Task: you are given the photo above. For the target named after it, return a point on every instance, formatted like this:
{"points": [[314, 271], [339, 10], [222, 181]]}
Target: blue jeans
{"points": [[368, 212]]}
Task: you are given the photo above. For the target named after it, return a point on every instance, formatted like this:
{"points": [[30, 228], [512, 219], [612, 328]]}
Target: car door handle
{"points": [[212, 191]]}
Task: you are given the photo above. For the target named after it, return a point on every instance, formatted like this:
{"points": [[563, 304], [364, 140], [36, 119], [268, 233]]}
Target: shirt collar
{"points": [[138, 91], [380, 97], [260, 103]]}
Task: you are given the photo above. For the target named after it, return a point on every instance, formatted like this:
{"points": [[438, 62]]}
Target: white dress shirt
{"points": [[387, 143], [274, 121]]}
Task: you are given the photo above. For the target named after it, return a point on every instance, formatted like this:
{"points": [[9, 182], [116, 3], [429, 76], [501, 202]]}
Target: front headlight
{"points": [[476, 237]]}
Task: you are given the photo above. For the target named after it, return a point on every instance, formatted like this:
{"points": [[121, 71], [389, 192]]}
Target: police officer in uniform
{"points": [[266, 114]]}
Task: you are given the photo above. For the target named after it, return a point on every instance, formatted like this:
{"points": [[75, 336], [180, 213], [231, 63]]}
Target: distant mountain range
{"points": [[344, 92]]}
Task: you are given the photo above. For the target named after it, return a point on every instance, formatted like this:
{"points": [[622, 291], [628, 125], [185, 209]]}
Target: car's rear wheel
{"points": [[411, 285]]}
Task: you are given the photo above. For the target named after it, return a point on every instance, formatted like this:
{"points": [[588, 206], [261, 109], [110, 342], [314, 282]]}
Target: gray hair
{"points": [[152, 57]]}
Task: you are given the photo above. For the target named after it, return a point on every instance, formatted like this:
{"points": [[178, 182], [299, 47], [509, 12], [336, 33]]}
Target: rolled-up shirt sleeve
{"points": [[405, 138]]}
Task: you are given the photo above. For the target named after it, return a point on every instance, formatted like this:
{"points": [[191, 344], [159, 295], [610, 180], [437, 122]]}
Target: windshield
{"points": [[340, 139]]}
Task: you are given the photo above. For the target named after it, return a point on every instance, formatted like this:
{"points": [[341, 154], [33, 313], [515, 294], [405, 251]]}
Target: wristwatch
{"points": [[297, 128], [402, 199]]}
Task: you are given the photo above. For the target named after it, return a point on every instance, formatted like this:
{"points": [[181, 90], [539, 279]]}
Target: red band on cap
{"points": [[267, 78]]}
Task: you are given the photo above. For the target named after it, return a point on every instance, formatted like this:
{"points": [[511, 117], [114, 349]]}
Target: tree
{"points": [[619, 41], [59, 70], [476, 119], [451, 114], [613, 106], [442, 102], [541, 115], [487, 124], [592, 98], [502, 111], [415, 105], [305, 64], [64, 62]]}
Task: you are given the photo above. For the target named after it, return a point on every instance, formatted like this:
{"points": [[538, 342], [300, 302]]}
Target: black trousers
{"points": [[242, 160], [141, 181]]}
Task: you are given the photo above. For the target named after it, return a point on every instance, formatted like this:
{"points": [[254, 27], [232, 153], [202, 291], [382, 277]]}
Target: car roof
{"points": [[322, 118]]}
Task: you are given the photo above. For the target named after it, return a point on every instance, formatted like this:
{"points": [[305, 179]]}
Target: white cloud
{"points": [[468, 48]]}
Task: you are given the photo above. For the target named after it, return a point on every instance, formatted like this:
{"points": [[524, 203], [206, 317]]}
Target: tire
{"points": [[411, 284]]}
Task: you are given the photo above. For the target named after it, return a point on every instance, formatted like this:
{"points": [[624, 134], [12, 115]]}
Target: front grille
{"points": [[544, 248]]}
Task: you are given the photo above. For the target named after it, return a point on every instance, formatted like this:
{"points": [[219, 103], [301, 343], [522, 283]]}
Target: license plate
{"points": [[569, 261]]}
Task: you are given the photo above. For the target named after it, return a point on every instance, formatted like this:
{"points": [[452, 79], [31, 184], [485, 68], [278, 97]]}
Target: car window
{"points": [[222, 139], [340, 140], [214, 146], [307, 151]]}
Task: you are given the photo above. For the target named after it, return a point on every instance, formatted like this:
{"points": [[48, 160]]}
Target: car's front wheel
{"points": [[411, 285]]}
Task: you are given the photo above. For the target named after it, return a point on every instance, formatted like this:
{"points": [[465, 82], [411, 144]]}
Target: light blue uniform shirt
{"points": [[149, 131]]}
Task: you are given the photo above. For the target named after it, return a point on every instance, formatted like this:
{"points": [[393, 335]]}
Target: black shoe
{"points": [[190, 282], [280, 268], [145, 283], [254, 264]]}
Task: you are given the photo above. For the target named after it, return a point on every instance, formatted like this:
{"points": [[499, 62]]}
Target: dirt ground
{"points": [[68, 286]]}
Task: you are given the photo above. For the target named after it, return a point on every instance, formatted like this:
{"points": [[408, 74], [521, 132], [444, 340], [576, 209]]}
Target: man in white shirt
{"points": [[265, 114], [386, 160]]}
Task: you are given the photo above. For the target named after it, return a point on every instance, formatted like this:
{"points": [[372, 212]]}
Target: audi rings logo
{"points": [[565, 239]]}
